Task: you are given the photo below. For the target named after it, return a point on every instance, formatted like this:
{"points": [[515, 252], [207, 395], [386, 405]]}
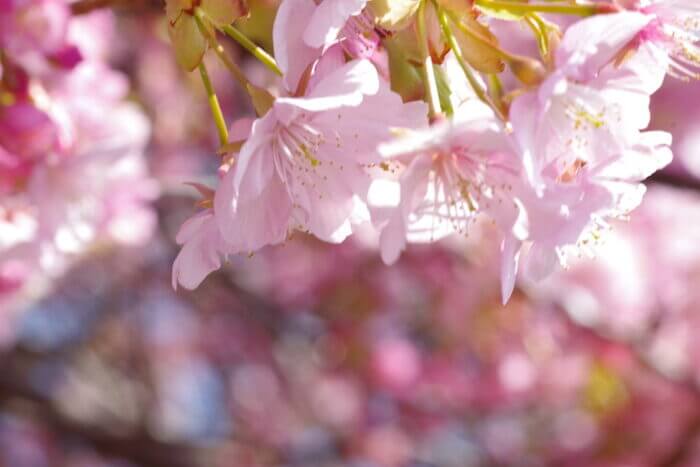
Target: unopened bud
{"points": [[529, 71], [478, 45], [189, 21]]}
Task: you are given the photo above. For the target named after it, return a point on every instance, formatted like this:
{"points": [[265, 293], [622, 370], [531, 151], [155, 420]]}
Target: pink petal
{"points": [[293, 55], [328, 19], [592, 43], [200, 254], [346, 86], [510, 254], [254, 164]]}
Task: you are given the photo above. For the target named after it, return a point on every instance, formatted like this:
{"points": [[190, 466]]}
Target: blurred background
{"points": [[316, 355]]}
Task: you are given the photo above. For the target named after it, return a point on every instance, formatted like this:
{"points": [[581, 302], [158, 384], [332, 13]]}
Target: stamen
{"points": [[677, 30], [461, 186], [303, 172]]}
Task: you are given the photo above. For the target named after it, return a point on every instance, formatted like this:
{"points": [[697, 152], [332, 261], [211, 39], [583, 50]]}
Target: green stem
{"points": [[254, 49], [429, 81], [524, 8], [473, 82], [214, 105], [220, 52]]}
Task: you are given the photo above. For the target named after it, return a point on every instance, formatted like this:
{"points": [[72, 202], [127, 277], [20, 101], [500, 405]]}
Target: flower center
{"points": [[461, 186], [297, 163]]}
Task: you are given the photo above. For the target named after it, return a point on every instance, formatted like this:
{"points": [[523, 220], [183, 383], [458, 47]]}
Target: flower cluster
{"points": [[72, 172], [407, 121], [407, 163]]}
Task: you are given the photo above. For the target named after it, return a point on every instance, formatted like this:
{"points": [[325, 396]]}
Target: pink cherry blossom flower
{"points": [[303, 31], [444, 178], [452, 172], [88, 182], [101, 192], [347, 23], [303, 167], [72, 204], [583, 152]]}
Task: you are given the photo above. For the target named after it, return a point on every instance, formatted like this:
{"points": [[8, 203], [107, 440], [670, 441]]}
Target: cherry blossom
{"points": [[303, 167], [452, 172], [583, 151], [304, 31], [71, 149]]}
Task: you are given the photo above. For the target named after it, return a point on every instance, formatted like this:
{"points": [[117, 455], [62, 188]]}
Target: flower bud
{"points": [[188, 41], [479, 46], [528, 70]]}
